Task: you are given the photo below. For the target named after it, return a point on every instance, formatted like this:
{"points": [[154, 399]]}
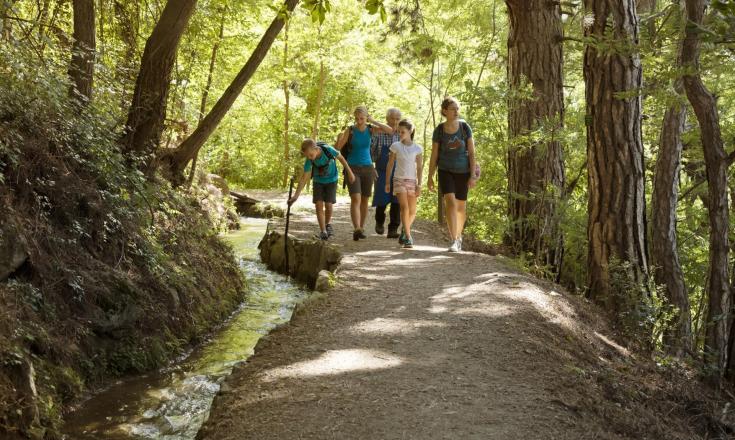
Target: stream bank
{"points": [[173, 403]]}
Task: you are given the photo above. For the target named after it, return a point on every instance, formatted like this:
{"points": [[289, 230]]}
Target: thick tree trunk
{"points": [[286, 109], [665, 254], [81, 70], [148, 108], [730, 366], [535, 169], [715, 159], [617, 259], [205, 94], [177, 160]]}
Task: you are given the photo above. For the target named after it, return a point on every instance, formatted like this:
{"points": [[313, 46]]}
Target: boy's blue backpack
{"points": [[324, 169]]}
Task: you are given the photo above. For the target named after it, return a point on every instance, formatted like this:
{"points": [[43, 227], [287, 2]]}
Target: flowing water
{"points": [[172, 404]]}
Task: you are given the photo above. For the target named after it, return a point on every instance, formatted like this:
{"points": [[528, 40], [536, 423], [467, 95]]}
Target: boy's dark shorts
{"points": [[457, 183], [325, 192]]}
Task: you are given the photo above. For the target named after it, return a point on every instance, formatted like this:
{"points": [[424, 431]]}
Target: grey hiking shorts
{"points": [[364, 178]]}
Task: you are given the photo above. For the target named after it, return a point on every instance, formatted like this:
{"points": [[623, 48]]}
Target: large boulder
{"points": [[306, 258], [13, 248]]}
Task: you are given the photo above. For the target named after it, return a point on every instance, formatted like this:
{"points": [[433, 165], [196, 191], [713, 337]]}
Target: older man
{"points": [[381, 143]]}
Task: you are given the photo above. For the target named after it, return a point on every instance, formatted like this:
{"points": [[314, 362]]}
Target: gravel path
{"points": [[415, 344]]}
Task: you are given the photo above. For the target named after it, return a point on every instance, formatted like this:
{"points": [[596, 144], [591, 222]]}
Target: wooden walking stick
{"points": [[288, 217]]}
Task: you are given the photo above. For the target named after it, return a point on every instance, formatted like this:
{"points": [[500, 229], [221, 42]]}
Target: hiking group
{"points": [[383, 161]]}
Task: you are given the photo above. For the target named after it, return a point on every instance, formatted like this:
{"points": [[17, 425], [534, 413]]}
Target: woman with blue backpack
{"points": [[354, 144], [453, 153]]}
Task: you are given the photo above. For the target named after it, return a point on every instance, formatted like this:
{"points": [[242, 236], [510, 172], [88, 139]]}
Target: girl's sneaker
{"points": [[330, 231], [402, 237], [454, 247], [459, 244], [322, 236], [408, 243]]}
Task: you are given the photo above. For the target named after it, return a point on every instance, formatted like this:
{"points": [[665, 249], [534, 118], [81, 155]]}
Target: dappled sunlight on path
{"points": [[413, 344]]}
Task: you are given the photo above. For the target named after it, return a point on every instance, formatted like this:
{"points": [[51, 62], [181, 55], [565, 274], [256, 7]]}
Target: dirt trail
{"points": [[422, 344]]}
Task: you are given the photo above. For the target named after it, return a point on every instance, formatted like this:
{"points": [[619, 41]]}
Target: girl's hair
{"points": [[405, 123], [361, 109], [307, 143], [447, 102]]}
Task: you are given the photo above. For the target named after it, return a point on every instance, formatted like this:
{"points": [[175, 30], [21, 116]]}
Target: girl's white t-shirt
{"points": [[405, 159]]}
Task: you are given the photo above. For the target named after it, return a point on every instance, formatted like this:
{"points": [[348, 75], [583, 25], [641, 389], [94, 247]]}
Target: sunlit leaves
{"points": [[318, 9]]}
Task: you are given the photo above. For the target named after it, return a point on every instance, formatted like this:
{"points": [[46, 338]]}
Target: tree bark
{"points": [[617, 258], [205, 93], [176, 161], [535, 169], [665, 254], [286, 108], [127, 26], [715, 159], [319, 98], [81, 69], [148, 108]]}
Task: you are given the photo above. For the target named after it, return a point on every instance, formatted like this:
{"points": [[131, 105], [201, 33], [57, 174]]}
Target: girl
{"points": [[406, 155], [453, 151], [354, 144]]}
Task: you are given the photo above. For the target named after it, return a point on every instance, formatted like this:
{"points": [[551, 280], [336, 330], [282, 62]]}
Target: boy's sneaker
{"points": [[454, 247], [324, 236], [356, 235], [408, 243], [361, 234], [379, 229], [392, 232], [459, 244], [330, 231]]}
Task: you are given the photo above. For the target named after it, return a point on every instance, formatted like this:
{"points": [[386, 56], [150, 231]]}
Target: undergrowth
{"points": [[122, 272]]}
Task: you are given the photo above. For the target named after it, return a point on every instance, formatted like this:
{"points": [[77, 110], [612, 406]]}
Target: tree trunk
{"points": [[535, 169], [665, 254], [177, 160], [617, 259], [81, 70], [715, 159], [148, 108], [319, 98], [205, 94], [730, 368], [286, 108], [128, 29]]}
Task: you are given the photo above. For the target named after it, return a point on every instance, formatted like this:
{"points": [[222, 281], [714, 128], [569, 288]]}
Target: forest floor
{"points": [[425, 344]]}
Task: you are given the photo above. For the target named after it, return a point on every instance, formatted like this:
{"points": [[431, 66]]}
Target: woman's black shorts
{"points": [[456, 183]]}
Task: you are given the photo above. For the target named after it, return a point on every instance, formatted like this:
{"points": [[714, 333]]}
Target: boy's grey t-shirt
{"points": [[453, 155]]}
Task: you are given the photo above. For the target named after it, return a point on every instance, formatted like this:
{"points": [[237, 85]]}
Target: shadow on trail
{"points": [[444, 346]]}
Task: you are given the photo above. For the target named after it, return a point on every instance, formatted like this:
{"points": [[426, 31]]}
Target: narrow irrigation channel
{"points": [[173, 403]]}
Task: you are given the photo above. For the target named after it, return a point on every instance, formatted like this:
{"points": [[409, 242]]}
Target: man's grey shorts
{"points": [[364, 178], [324, 192]]}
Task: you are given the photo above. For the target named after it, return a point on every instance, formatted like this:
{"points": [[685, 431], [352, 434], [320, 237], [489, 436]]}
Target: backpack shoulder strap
{"points": [[326, 152]]}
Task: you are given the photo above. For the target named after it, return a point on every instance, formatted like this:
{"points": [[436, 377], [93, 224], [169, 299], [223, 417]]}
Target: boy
{"points": [[321, 163]]}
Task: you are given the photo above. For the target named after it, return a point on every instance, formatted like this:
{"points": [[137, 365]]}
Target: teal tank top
{"points": [[360, 153]]}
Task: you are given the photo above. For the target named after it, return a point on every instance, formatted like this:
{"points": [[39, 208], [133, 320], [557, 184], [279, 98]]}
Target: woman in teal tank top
{"points": [[359, 137]]}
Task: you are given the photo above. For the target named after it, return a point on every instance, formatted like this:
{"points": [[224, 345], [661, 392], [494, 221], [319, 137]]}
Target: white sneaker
{"points": [[454, 247], [459, 244]]}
